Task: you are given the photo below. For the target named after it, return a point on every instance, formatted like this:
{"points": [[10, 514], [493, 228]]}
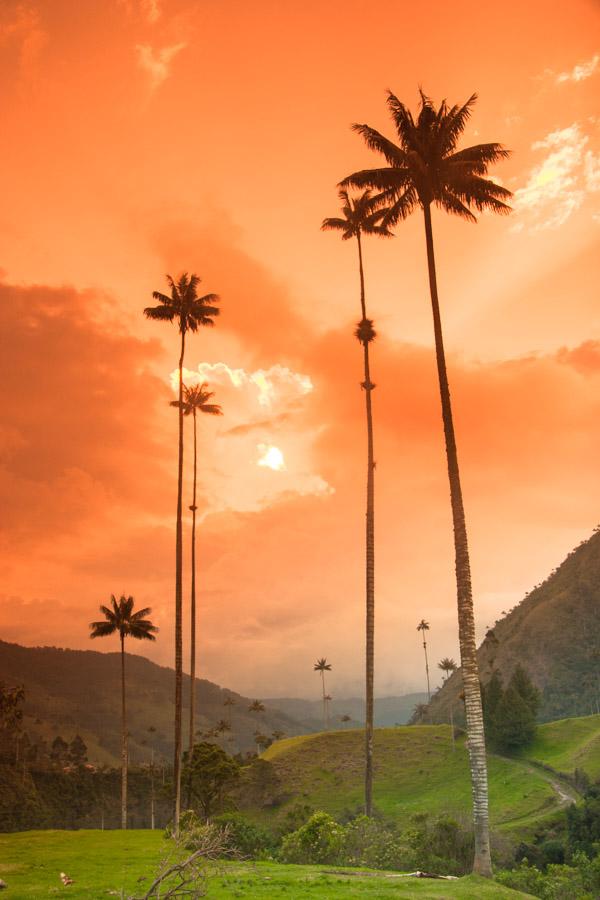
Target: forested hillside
{"points": [[555, 634], [78, 691]]}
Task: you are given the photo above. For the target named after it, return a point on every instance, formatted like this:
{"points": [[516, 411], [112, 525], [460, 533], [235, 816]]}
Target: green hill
{"points": [[78, 691], [416, 770], [555, 633], [568, 744]]}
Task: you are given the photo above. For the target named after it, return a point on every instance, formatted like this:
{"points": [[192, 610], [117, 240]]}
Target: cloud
{"points": [[72, 437], [557, 186], [156, 63], [276, 385], [271, 404], [581, 71]]}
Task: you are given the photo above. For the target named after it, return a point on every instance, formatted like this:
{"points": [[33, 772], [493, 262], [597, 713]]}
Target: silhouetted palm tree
{"points": [[425, 167], [195, 400], [120, 618], [323, 666], [228, 702], [357, 219], [448, 666], [423, 626], [190, 312]]}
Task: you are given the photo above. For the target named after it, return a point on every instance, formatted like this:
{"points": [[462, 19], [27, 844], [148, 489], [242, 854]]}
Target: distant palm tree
{"points": [[448, 666], [420, 711], [423, 626], [425, 168], [228, 702], [277, 735], [190, 312], [152, 732], [121, 619], [195, 400], [345, 718], [323, 666], [358, 218]]}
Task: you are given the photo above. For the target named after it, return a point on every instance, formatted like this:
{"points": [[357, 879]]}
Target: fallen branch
{"points": [[359, 874]]}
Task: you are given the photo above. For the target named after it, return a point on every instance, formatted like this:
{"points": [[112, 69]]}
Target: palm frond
{"points": [[160, 313], [477, 158], [163, 298], [333, 224], [394, 155], [454, 122], [452, 204]]}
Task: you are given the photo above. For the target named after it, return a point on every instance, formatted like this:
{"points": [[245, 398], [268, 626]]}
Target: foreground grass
{"points": [[416, 770], [102, 863]]}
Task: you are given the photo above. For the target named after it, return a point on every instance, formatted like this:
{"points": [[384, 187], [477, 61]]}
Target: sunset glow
{"points": [[154, 136]]}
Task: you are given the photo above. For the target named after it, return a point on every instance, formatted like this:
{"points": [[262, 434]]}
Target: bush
{"points": [[368, 842], [250, 840], [319, 841], [441, 846], [580, 881]]}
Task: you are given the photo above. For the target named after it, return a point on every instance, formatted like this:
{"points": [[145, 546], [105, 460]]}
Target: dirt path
{"points": [[565, 792]]}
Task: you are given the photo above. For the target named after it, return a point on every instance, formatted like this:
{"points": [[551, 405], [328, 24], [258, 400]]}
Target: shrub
{"points": [[249, 839], [441, 846], [319, 841], [369, 842]]}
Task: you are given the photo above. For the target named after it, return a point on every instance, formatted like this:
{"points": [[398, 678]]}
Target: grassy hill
{"points": [[568, 744], [555, 633], [416, 770], [78, 691], [388, 710]]}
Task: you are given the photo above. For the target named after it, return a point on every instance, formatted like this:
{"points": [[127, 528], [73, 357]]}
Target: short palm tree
{"points": [[195, 400], [323, 666], [357, 219], [448, 666], [190, 312], [423, 168], [256, 706], [423, 626], [120, 618]]}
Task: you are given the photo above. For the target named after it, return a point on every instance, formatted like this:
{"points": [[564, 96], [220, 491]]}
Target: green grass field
{"points": [[568, 744], [416, 770], [102, 863]]}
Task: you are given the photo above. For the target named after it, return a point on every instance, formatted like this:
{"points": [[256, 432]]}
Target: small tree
{"points": [[212, 775], [77, 751]]}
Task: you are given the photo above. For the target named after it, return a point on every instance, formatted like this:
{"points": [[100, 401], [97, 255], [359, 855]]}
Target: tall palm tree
{"points": [[425, 168], [195, 400], [423, 626], [323, 666], [357, 219], [190, 312], [120, 618], [448, 666]]}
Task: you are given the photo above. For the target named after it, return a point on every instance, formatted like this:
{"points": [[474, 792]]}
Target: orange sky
{"points": [[146, 136]]}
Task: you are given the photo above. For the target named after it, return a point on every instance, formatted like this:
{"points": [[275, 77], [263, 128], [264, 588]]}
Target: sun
{"points": [[271, 457]]}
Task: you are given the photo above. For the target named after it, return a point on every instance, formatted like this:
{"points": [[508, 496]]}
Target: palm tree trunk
{"points": [[178, 605], [193, 618], [324, 700], [123, 739], [370, 559], [482, 864], [426, 668]]}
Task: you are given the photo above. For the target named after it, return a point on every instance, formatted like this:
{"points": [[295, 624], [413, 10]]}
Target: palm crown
{"points": [[256, 706], [447, 665], [123, 620], [423, 625], [195, 399], [184, 304], [357, 217], [322, 665], [424, 167]]}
